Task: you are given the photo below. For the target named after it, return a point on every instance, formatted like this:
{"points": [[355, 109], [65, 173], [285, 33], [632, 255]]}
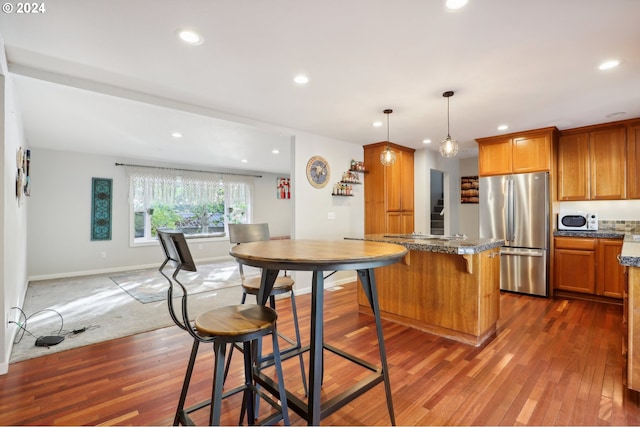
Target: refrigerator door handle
{"points": [[510, 210], [522, 252]]}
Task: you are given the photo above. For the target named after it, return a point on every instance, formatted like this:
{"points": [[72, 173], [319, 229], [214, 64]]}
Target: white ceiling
{"points": [[112, 78]]}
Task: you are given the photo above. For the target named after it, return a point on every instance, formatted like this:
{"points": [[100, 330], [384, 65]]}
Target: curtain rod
{"points": [[188, 170]]}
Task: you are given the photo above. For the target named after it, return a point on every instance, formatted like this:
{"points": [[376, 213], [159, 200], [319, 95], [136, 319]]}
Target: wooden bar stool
{"points": [[237, 324], [245, 233]]}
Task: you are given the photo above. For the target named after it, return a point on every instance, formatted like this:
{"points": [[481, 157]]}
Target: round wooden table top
{"points": [[318, 254]]}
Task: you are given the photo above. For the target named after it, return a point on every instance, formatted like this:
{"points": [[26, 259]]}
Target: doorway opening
{"points": [[437, 202]]}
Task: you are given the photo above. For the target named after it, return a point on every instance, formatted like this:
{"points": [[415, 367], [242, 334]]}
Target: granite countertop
{"points": [[597, 234], [630, 255], [456, 245]]}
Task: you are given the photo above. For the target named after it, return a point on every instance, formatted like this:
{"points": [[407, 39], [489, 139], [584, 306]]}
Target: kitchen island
{"points": [[630, 258], [447, 286]]}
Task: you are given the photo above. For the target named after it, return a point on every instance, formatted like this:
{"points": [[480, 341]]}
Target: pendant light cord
{"points": [[387, 112], [387, 129], [448, 132]]}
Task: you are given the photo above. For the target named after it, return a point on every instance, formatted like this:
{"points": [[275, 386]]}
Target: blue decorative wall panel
{"points": [[101, 199]]}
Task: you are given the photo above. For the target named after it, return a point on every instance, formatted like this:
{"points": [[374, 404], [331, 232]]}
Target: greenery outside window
{"points": [[198, 203]]}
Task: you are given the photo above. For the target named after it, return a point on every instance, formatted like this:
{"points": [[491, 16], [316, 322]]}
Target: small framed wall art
{"points": [[318, 171], [469, 189], [283, 188]]}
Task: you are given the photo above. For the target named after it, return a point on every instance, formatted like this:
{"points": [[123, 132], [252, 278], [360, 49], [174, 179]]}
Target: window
{"points": [[198, 203]]}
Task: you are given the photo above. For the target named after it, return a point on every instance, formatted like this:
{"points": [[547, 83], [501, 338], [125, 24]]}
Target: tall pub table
{"points": [[319, 256]]}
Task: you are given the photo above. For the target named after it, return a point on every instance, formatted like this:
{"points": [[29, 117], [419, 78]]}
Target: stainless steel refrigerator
{"points": [[516, 208]]}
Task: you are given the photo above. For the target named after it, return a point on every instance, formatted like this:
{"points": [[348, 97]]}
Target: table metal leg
{"points": [[316, 345], [312, 409], [368, 280], [267, 280]]}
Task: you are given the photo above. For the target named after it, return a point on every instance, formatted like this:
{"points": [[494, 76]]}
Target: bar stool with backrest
{"points": [[245, 233], [237, 324]]}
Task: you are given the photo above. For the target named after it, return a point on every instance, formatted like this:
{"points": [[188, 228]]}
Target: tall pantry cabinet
{"points": [[388, 191]]}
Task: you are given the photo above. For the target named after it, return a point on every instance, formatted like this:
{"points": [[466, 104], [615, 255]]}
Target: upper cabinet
{"points": [[633, 160], [388, 191], [573, 167], [521, 152], [592, 163]]}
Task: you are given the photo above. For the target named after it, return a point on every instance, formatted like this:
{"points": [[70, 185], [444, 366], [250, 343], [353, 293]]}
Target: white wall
{"points": [[60, 211], [14, 217], [424, 161], [469, 223], [313, 206]]}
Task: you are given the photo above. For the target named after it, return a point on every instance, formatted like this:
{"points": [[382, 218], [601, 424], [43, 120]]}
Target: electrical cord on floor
{"points": [[45, 341], [24, 321], [80, 330]]}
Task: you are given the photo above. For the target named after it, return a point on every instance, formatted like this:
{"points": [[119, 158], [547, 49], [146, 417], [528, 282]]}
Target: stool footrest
{"points": [[270, 419]]}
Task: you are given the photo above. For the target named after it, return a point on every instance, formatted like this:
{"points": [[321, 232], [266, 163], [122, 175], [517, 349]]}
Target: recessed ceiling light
{"points": [[609, 64], [376, 124], [455, 4], [616, 114], [426, 141], [301, 79], [503, 127], [244, 160], [176, 135], [190, 37], [275, 151]]}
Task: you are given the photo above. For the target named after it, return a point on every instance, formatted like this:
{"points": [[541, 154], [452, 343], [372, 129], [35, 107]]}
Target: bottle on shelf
{"points": [[356, 166], [342, 189], [351, 177]]}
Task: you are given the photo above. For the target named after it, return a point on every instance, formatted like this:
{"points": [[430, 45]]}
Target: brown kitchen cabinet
{"points": [[633, 160], [610, 274], [631, 345], [388, 191], [588, 266], [400, 222], [521, 152], [573, 167], [575, 264], [592, 163]]}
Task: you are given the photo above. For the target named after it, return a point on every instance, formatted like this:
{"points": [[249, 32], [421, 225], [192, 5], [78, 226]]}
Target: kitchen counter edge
{"points": [[454, 247], [630, 255], [597, 234]]}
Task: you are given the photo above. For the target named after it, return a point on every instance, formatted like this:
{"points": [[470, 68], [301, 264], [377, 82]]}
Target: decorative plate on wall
{"points": [[318, 171]]}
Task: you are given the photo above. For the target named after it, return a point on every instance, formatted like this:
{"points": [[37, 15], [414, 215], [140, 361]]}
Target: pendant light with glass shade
{"points": [[448, 147], [388, 156]]}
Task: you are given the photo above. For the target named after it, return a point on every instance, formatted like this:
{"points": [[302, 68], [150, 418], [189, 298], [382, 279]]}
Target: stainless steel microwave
{"points": [[577, 221]]}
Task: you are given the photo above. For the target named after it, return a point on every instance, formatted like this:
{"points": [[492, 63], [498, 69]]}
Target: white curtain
{"points": [[157, 185]]}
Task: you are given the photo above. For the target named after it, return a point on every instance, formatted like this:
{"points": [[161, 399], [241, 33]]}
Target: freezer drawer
{"points": [[524, 271]]}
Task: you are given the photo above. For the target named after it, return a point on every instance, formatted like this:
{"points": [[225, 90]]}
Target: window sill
{"points": [[139, 243]]}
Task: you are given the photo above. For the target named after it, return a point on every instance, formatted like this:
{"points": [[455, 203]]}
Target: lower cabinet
{"points": [[400, 222], [589, 266], [611, 278], [631, 320], [575, 264]]}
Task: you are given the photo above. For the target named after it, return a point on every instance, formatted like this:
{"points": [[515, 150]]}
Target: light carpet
{"points": [[107, 311], [146, 287]]}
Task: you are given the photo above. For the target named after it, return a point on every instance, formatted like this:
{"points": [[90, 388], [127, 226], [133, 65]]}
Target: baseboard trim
{"points": [[116, 269]]}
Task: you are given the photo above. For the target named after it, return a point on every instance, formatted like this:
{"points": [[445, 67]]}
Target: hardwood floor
{"points": [[553, 362]]}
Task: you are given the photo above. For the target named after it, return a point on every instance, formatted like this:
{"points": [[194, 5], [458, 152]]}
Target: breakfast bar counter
{"points": [[447, 286], [630, 258]]}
